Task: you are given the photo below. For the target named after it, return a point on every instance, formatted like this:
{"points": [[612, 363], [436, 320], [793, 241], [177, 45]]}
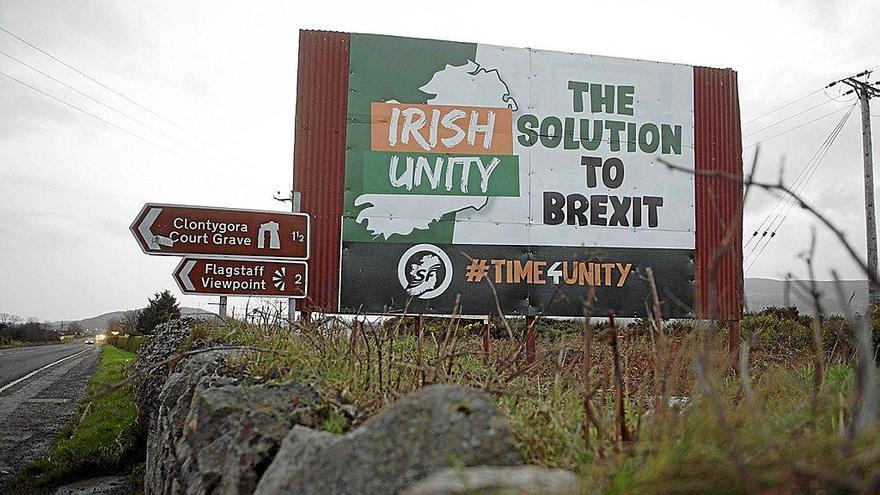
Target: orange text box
{"points": [[455, 129]]}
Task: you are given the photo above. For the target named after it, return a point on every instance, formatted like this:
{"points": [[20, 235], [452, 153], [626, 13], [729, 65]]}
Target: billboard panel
{"points": [[541, 167], [534, 172]]}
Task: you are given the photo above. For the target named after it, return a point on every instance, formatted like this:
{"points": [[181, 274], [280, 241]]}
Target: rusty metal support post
{"points": [[530, 339], [623, 435], [356, 331], [420, 349], [733, 340], [486, 342], [587, 363]]}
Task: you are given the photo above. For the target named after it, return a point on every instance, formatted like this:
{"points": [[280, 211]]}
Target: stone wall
{"points": [[210, 434]]}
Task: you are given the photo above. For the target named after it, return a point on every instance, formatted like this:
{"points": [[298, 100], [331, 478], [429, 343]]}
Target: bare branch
{"points": [[872, 277]]}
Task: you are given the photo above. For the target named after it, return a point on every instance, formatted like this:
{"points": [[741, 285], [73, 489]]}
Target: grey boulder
{"points": [[299, 446], [495, 480], [429, 430], [233, 432]]}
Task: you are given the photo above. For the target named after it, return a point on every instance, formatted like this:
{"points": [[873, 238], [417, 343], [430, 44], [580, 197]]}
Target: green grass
{"points": [[102, 438]]}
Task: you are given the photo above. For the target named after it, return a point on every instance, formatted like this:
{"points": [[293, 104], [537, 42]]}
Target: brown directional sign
{"points": [[175, 230], [228, 277]]}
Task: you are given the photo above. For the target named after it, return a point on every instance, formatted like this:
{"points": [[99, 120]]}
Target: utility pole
{"points": [[865, 91]]}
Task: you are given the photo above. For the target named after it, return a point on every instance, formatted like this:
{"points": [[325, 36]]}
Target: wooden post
{"points": [[530, 339], [486, 343]]}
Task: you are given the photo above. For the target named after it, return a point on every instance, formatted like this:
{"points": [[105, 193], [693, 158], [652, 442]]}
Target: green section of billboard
{"points": [[384, 68], [441, 174]]}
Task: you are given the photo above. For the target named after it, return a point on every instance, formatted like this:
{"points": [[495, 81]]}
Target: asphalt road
{"points": [[18, 362], [34, 409]]}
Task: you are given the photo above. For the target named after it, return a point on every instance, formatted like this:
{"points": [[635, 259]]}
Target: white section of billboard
{"points": [[539, 82]]}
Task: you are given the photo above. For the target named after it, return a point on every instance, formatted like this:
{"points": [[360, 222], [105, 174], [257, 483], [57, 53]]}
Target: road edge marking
{"points": [[32, 373]]}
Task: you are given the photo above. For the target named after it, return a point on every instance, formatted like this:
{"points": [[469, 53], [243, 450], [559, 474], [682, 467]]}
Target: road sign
{"points": [[229, 277], [175, 230]]}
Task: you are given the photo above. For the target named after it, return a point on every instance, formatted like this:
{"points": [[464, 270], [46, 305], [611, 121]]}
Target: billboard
{"points": [[472, 170]]}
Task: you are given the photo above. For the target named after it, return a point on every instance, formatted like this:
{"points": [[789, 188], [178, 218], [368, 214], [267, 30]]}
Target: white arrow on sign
{"points": [[184, 275], [154, 242]]}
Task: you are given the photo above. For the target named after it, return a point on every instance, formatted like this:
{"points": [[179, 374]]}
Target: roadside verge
{"points": [[101, 439]]}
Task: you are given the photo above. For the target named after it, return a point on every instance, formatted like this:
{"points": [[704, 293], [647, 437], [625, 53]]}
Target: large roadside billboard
{"points": [[472, 171], [537, 170]]}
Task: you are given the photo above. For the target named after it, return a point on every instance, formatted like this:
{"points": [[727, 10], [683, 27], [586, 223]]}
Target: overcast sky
{"points": [[225, 72]]}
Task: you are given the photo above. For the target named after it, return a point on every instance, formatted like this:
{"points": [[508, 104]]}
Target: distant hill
{"points": [[763, 292], [100, 322]]}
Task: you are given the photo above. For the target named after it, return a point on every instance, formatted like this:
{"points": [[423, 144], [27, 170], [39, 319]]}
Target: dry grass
{"points": [[783, 439]]}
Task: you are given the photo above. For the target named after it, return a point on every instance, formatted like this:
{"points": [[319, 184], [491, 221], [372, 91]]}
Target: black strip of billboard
{"points": [[554, 281]]}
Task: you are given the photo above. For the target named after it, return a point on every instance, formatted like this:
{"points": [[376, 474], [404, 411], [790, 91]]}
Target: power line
{"points": [[773, 230], [795, 128], [129, 117], [803, 170], [790, 201], [795, 184], [108, 88], [798, 186], [781, 107], [786, 119], [759, 117], [96, 117], [806, 178], [825, 90]]}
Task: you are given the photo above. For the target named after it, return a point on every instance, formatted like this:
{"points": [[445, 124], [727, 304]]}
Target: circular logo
{"points": [[424, 271]]}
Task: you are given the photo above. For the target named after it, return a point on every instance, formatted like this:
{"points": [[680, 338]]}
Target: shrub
{"points": [[162, 308], [773, 332]]}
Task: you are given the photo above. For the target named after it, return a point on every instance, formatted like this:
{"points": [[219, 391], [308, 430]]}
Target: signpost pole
{"points": [[295, 199], [222, 309]]}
